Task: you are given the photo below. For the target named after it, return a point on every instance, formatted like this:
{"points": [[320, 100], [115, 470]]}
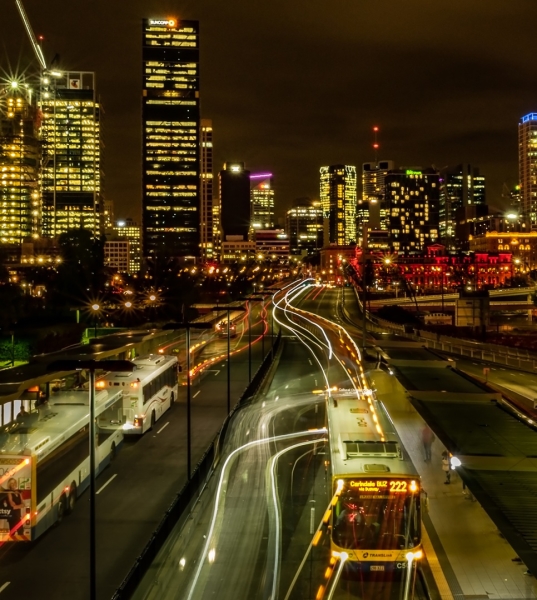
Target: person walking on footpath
{"points": [[427, 438], [446, 467]]}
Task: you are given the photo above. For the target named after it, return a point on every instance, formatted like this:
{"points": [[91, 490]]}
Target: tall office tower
{"points": [[412, 205], [171, 138], [234, 200], [71, 160], [461, 187], [338, 201], [527, 166], [262, 201], [217, 228], [206, 190], [371, 209], [130, 230], [304, 226], [20, 207]]}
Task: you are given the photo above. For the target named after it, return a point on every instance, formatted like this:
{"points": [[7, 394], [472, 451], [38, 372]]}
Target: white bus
{"points": [[148, 392], [44, 459]]}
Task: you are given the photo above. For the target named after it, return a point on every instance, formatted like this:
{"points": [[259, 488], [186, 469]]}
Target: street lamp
{"points": [[188, 327], [96, 309], [229, 309], [248, 300], [124, 366]]}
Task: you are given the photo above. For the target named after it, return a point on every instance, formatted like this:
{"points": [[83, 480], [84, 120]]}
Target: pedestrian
{"points": [[427, 438], [22, 420], [446, 467]]}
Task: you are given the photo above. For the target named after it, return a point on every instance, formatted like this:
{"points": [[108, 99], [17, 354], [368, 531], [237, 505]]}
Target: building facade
{"points": [[127, 229], [20, 205], [234, 182], [206, 190], [521, 245], [262, 201], [371, 210], [304, 226], [527, 166], [461, 187], [338, 201], [272, 245], [71, 175], [170, 138], [412, 208], [117, 255]]}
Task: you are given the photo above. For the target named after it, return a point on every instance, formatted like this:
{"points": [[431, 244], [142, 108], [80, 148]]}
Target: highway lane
{"points": [[140, 485], [249, 543]]}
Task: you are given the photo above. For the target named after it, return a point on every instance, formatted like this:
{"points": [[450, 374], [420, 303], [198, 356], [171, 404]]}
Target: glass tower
{"points": [[171, 138], [338, 201], [262, 201], [20, 208], [71, 154], [527, 166]]}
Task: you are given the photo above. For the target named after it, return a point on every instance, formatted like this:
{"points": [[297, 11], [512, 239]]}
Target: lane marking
{"points": [[198, 392], [4, 586], [102, 488], [309, 360], [163, 427]]}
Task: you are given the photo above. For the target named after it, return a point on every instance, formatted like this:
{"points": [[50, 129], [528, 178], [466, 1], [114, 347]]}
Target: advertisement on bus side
{"points": [[16, 480]]}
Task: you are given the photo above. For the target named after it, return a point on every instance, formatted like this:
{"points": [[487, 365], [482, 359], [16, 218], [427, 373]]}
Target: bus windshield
{"points": [[376, 519]]}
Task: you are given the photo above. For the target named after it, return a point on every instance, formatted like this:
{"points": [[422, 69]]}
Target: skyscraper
{"points": [[527, 166], [234, 200], [371, 208], [171, 138], [71, 146], [206, 190], [131, 231], [412, 207], [20, 207], [460, 187], [305, 227], [338, 201], [262, 201]]}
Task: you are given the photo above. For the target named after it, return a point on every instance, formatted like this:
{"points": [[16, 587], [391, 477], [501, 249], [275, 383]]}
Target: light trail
{"points": [[209, 541]]}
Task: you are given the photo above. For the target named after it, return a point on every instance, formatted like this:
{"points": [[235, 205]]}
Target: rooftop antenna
{"points": [[376, 144], [31, 35]]}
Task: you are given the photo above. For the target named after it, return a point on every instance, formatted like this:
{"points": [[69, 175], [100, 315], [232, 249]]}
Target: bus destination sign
{"points": [[380, 486]]}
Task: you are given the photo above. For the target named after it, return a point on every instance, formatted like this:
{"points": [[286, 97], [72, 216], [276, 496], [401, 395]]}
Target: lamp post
{"points": [[410, 557], [248, 300], [95, 308], [124, 366], [187, 327], [229, 309]]}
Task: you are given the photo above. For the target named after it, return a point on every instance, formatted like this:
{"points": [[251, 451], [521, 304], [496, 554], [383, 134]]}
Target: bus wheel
{"points": [[61, 510], [113, 451], [172, 399], [72, 498], [153, 420]]}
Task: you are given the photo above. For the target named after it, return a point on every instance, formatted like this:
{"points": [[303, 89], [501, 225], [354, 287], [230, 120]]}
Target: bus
{"points": [[377, 517], [44, 458], [148, 392]]}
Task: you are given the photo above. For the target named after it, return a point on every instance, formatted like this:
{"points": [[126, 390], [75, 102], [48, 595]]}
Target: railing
{"points": [[184, 501]]}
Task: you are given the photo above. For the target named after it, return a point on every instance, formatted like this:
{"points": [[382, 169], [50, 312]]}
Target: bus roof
{"points": [[146, 368], [361, 445], [67, 413]]}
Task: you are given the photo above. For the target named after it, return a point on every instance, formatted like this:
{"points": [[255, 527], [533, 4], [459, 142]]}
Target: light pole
{"points": [[248, 300], [187, 327], [229, 309], [410, 557], [95, 308], [124, 366]]}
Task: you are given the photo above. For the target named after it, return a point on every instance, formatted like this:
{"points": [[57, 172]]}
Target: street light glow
{"points": [[95, 307]]}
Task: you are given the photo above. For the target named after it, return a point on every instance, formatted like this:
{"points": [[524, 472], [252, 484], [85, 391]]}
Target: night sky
{"points": [[295, 84]]}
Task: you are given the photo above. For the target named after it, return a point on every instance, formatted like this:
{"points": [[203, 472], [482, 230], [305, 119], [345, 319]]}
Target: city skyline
{"points": [[476, 89]]}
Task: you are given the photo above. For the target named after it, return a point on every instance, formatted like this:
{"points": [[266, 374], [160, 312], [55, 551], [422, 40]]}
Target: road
{"points": [[249, 534], [133, 493]]}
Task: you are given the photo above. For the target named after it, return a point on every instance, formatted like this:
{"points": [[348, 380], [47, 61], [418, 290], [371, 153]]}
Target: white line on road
{"points": [[4, 586], [163, 427], [199, 391], [101, 489], [309, 360]]}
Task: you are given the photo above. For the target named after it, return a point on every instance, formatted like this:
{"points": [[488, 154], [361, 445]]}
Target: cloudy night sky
{"points": [[295, 84]]}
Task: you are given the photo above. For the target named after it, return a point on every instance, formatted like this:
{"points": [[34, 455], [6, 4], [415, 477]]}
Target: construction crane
{"points": [[31, 35]]}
